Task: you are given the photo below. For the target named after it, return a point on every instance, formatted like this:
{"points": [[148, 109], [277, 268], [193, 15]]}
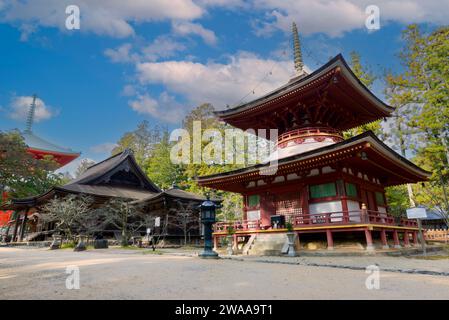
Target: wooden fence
{"points": [[439, 235]]}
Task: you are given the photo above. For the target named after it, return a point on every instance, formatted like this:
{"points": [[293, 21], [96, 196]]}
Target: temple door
{"points": [[371, 202]]}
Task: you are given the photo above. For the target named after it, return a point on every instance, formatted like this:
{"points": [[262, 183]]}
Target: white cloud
{"points": [[334, 17], [165, 108], [128, 90], [217, 83], [116, 17], [122, 54], [161, 47], [20, 105], [103, 148], [103, 17], [186, 28]]}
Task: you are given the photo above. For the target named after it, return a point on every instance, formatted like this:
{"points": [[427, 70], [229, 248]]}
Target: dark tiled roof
{"points": [[174, 193], [102, 168], [298, 82]]}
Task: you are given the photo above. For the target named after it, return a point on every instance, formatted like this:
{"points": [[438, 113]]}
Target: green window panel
{"points": [[323, 190], [253, 200], [380, 198], [351, 190]]}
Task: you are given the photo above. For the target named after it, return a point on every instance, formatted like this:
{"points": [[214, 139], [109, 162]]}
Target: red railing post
{"points": [[364, 214]]}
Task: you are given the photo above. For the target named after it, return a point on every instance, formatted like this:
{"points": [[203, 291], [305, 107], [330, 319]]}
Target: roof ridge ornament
{"points": [[30, 117], [297, 54]]}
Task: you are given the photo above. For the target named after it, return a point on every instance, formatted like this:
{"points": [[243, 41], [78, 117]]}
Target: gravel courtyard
{"points": [[135, 274]]}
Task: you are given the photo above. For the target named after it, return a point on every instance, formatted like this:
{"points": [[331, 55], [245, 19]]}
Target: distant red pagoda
{"points": [[40, 148]]}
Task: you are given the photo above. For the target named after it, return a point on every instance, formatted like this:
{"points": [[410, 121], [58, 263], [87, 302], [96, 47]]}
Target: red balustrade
{"points": [[331, 218]]}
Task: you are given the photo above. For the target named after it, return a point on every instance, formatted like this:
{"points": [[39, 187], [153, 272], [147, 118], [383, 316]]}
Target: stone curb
{"points": [[307, 264]]}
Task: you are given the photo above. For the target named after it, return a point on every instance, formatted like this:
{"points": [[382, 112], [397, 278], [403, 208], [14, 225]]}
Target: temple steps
{"points": [[266, 244]]}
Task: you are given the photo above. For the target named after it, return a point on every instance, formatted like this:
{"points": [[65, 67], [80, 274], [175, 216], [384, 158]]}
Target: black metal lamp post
{"points": [[208, 219]]}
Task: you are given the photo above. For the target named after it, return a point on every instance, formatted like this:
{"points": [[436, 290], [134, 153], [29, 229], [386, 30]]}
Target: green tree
{"points": [[232, 203], [20, 173], [421, 97], [161, 169], [367, 78], [141, 141]]}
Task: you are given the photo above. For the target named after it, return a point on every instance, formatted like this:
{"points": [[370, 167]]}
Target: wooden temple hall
{"points": [[118, 177], [330, 189]]}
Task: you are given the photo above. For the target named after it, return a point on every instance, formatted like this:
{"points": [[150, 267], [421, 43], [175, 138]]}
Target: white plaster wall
{"points": [[253, 215], [327, 207], [354, 206]]}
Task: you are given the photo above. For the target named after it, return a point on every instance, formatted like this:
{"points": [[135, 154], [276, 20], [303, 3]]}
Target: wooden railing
{"points": [[331, 218], [437, 235]]}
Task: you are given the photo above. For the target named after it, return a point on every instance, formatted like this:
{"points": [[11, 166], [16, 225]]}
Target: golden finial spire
{"points": [[299, 64], [30, 118]]}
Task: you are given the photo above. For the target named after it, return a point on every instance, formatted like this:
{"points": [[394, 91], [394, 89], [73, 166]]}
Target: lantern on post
{"points": [[208, 210]]}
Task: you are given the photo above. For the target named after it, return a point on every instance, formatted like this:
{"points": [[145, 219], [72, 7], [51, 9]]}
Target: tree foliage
{"points": [[20, 173], [421, 97], [367, 78]]}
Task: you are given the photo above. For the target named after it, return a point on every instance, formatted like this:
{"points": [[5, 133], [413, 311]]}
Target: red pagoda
{"points": [[39, 148], [328, 187]]}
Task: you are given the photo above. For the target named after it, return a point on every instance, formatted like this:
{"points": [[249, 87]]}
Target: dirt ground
{"points": [[134, 274]]}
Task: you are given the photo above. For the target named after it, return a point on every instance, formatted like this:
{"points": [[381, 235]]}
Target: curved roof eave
{"points": [[367, 136], [337, 61]]}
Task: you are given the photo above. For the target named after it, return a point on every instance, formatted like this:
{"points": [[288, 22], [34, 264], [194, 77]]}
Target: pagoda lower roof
{"points": [[41, 147], [36, 143], [383, 162], [333, 86]]}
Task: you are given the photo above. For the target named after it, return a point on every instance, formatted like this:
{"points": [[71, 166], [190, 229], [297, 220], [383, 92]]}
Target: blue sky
{"points": [[156, 60]]}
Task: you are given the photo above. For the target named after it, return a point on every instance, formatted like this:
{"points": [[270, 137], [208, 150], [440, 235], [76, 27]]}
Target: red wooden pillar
{"points": [[245, 207], [397, 244], [369, 240], [415, 238], [304, 199], [383, 237], [330, 240], [266, 209], [406, 239]]}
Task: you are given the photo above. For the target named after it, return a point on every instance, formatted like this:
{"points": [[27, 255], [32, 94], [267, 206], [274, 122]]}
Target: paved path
{"points": [[129, 274]]}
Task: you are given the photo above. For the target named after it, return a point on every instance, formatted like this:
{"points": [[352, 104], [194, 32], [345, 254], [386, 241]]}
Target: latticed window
{"points": [[323, 190], [380, 198], [288, 204], [351, 190], [253, 200]]}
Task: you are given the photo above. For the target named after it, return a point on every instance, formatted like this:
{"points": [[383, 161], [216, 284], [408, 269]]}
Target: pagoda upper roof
{"points": [[382, 162], [37, 143], [334, 86]]}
